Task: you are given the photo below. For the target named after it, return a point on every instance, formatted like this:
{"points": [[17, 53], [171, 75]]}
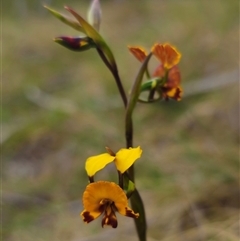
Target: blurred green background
{"points": [[60, 107]]}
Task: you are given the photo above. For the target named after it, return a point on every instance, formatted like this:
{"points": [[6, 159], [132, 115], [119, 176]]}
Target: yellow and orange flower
{"points": [[169, 58], [105, 198], [165, 53], [123, 159]]}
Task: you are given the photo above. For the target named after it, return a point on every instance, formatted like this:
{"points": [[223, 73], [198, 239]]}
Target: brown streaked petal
{"points": [[158, 51], [138, 52], [167, 54], [128, 212]]}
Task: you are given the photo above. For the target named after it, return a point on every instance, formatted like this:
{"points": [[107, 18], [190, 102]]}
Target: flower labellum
{"points": [[105, 198]]}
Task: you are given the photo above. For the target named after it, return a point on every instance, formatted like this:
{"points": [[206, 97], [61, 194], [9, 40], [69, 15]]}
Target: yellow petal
{"points": [[175, 93], [96, 163], [126, 157]]}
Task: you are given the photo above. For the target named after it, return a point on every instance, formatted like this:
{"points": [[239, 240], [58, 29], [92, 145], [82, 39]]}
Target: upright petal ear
{"points": [[126, 157], [138, 52], [167, 54], [96, 163]]}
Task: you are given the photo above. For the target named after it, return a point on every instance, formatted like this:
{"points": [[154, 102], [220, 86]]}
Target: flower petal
{"points": [[97, 191], [173, 93], [159, 71], [96, 163], [138, 52], [128, 212], [174, 77], [126, 157], [89, 216], [167, 54]]}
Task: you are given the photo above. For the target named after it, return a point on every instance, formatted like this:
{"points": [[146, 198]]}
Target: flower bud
{"points": [[95, 14], [76, 43]]}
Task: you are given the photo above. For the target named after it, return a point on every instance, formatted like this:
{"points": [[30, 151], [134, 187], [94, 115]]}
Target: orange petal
{"points": [[159, 71], [167, 54], [97, 191], [138, 52]]}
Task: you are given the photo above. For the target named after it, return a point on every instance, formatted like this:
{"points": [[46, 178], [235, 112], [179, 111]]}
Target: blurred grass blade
{"points": [[97, 38], [70, 22], [140, 222]]}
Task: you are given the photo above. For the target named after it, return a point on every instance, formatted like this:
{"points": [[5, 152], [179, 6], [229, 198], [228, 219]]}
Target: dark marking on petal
{"points": [[109, 217], [110, 220], [130, 213], [87, 218]]}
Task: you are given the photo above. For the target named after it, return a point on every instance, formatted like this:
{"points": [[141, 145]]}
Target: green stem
{"points": [[120, 179], [136, 201], [151, 94]]}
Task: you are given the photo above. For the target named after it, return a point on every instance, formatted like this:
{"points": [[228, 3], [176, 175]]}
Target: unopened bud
{"points": [[76, 43]]}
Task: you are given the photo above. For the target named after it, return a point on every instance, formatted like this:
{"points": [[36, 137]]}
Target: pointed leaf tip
{"points": [[65, 19]]}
